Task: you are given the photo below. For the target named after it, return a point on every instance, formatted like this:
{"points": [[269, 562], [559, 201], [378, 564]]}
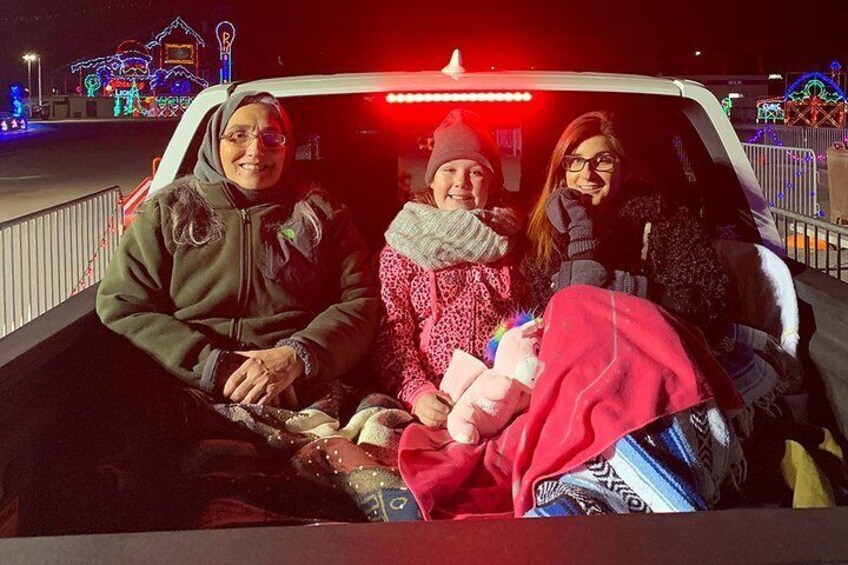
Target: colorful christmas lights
{"points": [[815, 100], [166, 66], [16, 95], [127, 102], [770, 110], [92, 85], [178, 23]]}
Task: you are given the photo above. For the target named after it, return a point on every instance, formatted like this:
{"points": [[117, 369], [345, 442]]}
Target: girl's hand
{"points": [[432, 408], [263, 375]]}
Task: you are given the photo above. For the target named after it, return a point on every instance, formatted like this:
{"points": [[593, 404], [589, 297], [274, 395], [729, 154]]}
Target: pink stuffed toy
{"points": [[485, 400]]}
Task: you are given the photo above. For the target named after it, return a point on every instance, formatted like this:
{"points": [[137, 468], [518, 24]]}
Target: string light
{"points": [[16, 96], [127, 75], [769, 131], [162, 78], [815, 100], [727, 105], [226, 33], [112, 231], [92, 84], [770, 110], [178, 23]]}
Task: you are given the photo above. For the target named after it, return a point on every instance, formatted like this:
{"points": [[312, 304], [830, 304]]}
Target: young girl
{"points": [[447, 272]]}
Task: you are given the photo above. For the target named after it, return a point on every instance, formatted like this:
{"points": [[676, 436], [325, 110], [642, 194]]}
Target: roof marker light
{"points": [[454, 68], [428, 97]]}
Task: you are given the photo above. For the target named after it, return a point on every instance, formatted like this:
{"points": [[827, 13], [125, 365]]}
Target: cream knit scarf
{"points": [[436, 239]]}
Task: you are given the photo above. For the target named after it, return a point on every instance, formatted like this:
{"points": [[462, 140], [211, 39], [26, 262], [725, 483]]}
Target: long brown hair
{"points": [[539, 229]]}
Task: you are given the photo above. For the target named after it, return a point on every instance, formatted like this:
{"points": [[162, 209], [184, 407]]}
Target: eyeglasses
{"points": [[270, 139], [601, 163]]}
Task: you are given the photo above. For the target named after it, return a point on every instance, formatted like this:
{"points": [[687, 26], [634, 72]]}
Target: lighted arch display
{"points": [[815, 100]]}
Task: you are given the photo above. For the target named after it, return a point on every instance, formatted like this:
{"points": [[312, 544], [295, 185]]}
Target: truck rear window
{"points": [[362, 148]]}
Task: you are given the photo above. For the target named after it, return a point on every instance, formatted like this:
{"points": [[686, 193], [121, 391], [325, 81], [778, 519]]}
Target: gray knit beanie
{"points": [[462, 135]]}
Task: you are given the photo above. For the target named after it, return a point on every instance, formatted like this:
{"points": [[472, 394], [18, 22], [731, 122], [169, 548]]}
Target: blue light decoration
{"points": [[835, 68], [163, 81], [770, 110], [226, 33], [92, 85], [16, 96], [815, 100]]}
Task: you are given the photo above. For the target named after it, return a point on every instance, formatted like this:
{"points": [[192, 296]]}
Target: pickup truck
{"points": [[361, 135]]}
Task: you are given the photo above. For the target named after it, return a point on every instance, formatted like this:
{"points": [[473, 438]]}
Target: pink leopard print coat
{"points": [[428, 314]]}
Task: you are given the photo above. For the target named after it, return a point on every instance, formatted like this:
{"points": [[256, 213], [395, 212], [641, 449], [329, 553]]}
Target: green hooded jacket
{"points": [[264, 280]]}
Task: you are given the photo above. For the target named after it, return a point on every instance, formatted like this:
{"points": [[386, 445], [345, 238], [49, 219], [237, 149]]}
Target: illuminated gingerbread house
{"points": [[156, 79]]}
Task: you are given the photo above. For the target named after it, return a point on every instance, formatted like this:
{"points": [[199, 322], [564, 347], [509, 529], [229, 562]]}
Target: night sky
{"points": [[315, 36]]}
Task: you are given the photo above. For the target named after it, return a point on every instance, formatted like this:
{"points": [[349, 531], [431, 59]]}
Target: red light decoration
{"points": [[431, 97]]}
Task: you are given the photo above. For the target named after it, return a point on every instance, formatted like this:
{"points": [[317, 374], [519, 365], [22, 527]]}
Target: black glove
{"points": [[568, 212]]}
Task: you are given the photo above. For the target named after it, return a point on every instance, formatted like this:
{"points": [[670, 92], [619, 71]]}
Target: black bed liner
{"points": [[731, 536], [50, 365]]}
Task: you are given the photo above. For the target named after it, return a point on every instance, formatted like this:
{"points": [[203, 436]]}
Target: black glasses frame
{"points": [[594, 163]]}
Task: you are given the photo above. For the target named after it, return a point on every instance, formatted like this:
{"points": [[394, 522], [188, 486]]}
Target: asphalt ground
{"points": [[54, 162]]}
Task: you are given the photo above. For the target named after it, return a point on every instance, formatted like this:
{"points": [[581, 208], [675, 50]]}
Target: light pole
{"points": [[39, 83], [29, 58]]}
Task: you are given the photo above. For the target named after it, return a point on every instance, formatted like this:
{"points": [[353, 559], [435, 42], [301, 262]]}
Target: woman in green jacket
{"points": [[240, 279]]}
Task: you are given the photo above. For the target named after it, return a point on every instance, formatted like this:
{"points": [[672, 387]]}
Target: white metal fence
{"points": [[817, 139], [48, 256], [821, 245], [787, 176]]}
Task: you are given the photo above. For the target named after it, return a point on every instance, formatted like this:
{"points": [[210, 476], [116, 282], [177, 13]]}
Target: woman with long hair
{"points": [[595, 223]]}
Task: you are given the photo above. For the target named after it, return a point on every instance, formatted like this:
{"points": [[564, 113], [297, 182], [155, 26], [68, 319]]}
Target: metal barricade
{"points": [[787, 176], [769, 134], [820, 139], [50, 255], [817, 139], [816, 243]]}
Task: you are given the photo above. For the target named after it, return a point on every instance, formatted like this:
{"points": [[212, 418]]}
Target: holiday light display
{"points": [[138, 74], [16, 97], [226, 33], [128, 102], [727, 105], [770, 110], [92, 85], [176, 25], [815, 100]]}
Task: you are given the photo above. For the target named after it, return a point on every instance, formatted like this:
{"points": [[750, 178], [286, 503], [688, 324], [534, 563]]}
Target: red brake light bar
{"points": [[425, 97]]}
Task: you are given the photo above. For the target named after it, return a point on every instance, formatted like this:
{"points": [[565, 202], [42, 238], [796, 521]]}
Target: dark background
{"points": [[283, 37]]}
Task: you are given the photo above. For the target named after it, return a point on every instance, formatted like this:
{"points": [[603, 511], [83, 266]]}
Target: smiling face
{"points": [[254, 166], [598, 185], [461, 184]]}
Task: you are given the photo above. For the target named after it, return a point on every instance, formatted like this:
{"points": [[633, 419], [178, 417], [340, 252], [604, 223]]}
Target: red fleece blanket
{"points": [[609, 365]]}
